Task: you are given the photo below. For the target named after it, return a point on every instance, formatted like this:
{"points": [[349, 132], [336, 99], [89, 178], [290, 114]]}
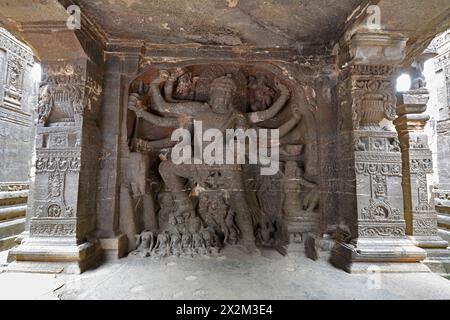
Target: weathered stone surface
{"points": [[420, 215], [115, 90], [17, 97]]}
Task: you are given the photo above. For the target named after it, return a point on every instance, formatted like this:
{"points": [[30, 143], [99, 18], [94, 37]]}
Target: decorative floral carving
{"points": [[50, 164], [381, 231]]}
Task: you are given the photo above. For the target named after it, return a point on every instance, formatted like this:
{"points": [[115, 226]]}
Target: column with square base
{"points": [[369, 161], [420, 215], [62, 222]]}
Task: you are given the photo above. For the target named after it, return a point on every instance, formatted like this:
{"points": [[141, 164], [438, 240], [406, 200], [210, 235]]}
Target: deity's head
{"points": [[221, 94]]}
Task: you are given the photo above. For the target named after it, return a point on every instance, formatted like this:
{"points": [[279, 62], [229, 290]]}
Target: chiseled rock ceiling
{"points": [[228, 22]]}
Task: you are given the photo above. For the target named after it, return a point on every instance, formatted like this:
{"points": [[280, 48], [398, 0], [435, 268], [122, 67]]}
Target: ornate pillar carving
{"points": [[420, 215], [369, 160], [63, 215]]}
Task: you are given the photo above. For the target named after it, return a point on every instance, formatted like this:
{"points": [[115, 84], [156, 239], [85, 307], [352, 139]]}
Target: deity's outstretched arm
{"points": [[148, 146], [161, 105], [168, 90], [259, 116], [286, 127], [135, 105], [285, 135]]}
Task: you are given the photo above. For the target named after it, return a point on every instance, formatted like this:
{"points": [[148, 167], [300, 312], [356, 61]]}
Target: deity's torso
{"points": [[220, 121]]}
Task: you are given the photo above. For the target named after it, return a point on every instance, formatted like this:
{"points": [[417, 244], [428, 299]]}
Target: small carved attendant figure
{"points": [[167, 208], [175, 244], [162, 247], [199, 244], [231, 230], [186, 243], [145, 242]]}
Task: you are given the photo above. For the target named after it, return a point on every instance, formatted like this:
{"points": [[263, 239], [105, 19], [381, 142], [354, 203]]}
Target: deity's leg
{"points": [[239, 205], [174, 176]]}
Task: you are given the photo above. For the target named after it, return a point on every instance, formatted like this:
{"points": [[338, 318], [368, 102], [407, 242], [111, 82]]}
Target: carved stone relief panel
{"points": [[208, 206]]}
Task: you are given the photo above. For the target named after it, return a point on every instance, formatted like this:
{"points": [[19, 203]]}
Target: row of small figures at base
{"points": [[204, 242]]}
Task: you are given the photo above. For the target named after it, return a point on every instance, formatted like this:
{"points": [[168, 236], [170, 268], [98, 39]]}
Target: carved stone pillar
{"points": [[67, 147], [369, 161], [420, 215], [113, 242]]}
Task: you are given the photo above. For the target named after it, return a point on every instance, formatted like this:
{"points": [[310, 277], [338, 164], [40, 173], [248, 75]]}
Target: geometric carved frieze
{"points": [[52, 228], [378, 157]]}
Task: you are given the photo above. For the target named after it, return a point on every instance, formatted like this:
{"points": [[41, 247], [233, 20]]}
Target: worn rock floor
{"points": [[232, 275]]}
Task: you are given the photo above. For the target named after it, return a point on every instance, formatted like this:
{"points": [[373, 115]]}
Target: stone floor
{"points": [[232, 275]]}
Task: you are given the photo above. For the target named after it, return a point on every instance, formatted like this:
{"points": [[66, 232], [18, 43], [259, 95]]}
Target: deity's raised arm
{"points": [[259, 116]]}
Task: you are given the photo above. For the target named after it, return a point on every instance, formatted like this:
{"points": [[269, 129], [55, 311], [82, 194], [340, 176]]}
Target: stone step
{"points": [[7, 243], [444, 234], [11, 212], [10, 198], [443, 221], [439, 267], [11, 227], [13, 194]]}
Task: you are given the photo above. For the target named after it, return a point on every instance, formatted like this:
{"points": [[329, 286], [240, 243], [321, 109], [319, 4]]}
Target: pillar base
{"points": [[48, 255], [387, 255], [114, 248]]}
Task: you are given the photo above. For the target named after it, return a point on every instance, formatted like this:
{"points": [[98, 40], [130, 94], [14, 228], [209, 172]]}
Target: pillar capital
{"points": [[372, 48]]}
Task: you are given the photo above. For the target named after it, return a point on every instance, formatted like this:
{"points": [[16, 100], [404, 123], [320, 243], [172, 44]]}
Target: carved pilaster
{"points": [[67, 147], [371, 204], [420, 215]]}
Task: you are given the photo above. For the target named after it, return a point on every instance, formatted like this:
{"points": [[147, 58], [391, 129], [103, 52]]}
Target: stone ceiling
{"points": [[227, 22], [262, 23]]}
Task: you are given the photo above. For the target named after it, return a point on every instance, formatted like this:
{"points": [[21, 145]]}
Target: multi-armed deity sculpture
{"points": [[206, 206]]}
